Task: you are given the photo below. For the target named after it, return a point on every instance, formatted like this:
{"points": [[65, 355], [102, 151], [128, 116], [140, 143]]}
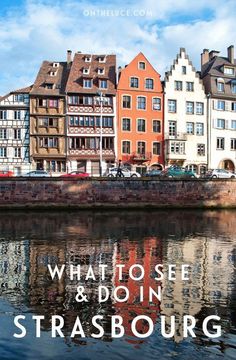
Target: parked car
{"points": [[153, 172], [178, 172], [37, 173], [4, 173], [76, 174], [220, 174], [125, 172]]}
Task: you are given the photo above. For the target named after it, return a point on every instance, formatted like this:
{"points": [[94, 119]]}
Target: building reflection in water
{"points": [[204, 240]]}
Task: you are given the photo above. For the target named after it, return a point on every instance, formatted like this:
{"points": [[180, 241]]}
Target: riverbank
{"points": [[115, 193]]}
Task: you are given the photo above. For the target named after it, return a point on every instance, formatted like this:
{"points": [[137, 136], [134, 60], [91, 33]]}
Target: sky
{"points": [[35, 30]]}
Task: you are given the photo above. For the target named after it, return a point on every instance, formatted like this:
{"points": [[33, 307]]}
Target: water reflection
{"points": [[204, 240]]}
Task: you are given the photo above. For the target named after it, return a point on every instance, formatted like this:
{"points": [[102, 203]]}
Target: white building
{"points": [[185, 116], [14, 131], [219, 77]]}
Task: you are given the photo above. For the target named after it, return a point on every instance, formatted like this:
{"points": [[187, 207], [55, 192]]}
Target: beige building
{"points": [[185, 116], [47, 118]]}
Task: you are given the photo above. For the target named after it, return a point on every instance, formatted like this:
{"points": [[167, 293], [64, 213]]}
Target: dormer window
{"points": [[220, 85], [86, 71], [87, 83], [53, 73], [55, 65], [101, 59], [49, 86], [228, 71], [101, 71], [87, 59]]}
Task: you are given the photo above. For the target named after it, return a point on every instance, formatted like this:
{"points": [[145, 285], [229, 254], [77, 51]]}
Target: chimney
{"points": [[69, 57], [205, 57], [231, 54]]}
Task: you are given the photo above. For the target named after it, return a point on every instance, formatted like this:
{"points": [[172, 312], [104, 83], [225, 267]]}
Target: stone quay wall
{"points": [[116, 193]]}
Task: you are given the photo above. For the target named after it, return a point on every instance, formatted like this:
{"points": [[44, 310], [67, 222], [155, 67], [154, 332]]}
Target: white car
{"points": [[37, 173], [125, 173], [220, 174]]}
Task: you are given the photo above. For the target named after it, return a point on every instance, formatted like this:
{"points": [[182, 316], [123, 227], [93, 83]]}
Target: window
{"points": [[3, 152], [220, 123], [102, 59], [103, 84], [220, 143], [220, 105], [3, 133], [156, 148], [85, 71], [17, 134], [141, 125], [101, 71], [228, 71], [141, 103], [55, 64], [172, 106], [126, 147], [189, 107], [87, 59], [232, 144], [233, 124], [220, 86], [189, 86], [73, 100], [179, 85], [42, 102], [3, 114], [134, 82], [177, 147], [49, 142], [149, 83], [201, 149], [199, 129], [156, 104], [233, 86], [126, 102], [141, 65], [199, 108], [156, 126], [53, 103], [141, 146], [87, 100], [172, 128], [17, 115], [46, 122], [184, 70], [126, 124], [190, 128], [17, 152], [49, 86], [87, 83]]}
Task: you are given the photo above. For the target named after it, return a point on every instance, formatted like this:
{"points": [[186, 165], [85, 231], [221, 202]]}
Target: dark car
{"points": [[153, 172], [37, 173], [178, 172]]}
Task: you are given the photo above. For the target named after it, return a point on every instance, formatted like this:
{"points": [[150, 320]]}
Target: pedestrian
{"points": [[119, 171]]}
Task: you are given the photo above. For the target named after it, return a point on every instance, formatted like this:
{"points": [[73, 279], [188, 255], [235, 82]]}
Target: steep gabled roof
{"points": [[76, 76], [45, 78]]}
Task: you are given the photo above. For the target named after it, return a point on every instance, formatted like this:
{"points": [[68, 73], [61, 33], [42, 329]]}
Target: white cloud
{"points": [[45, 29]]}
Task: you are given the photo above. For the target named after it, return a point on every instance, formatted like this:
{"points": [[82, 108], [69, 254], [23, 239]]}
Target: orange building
{"points": [[140, 115]]}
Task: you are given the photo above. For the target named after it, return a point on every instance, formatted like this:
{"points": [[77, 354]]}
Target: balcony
{"points": [[136, 157], [177, 136], [92, 153], [89, 109]]}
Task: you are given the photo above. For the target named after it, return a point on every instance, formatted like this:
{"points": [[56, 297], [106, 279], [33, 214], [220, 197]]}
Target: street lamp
{"points": [[101, 99]]}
